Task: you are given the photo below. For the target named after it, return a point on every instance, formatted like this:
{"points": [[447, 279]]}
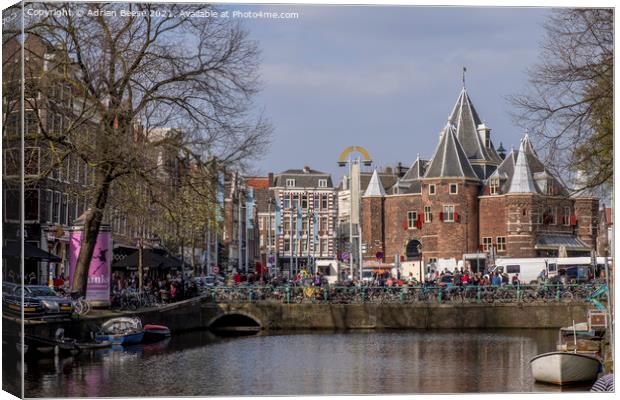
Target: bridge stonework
{"points": [[277, 316]]}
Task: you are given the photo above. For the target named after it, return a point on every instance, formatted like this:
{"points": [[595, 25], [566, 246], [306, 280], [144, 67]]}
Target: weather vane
{"points": [[464, 70]]}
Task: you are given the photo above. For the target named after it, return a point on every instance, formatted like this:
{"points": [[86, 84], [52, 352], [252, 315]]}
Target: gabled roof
{"points": [[375, 187], [449, 159], [522, 181], [409, 183], [416, 171], [466, 120]]}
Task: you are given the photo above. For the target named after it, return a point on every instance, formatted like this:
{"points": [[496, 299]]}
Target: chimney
{"points": [[400, 170], [270, 179], [388, 170], [485, 135], [306, 169]]}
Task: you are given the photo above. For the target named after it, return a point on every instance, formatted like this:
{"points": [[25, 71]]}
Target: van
{"points": [[528, 268]]}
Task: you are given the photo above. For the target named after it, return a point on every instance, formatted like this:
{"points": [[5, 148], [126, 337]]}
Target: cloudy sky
{"points": [[386, 77]]}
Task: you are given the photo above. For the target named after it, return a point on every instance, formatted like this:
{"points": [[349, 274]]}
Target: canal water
{"points": [[300, 363]]}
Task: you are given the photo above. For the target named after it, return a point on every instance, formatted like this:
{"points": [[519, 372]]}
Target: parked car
{"points": [[12, 302], [39, 300]]}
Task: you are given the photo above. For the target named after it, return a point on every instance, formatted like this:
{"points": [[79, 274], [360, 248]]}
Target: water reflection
{"points": [[302, 363]]}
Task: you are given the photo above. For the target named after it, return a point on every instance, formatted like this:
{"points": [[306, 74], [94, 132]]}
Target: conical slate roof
{"points": [[522, 181], [466, 120], [507, 172], [449, 159], [375, 187]]}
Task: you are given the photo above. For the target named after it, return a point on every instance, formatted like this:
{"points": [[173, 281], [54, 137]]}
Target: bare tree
{"points": [[132, 77], [569, 105]]}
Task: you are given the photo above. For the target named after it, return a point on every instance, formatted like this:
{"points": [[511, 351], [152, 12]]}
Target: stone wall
{"points": [[396, 316]]}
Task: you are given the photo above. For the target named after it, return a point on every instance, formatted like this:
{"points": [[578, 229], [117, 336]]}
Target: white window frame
{"points": [[456, 188], [448, 213], [494, 186], [567, 216], [322, 183], [412, 218], [487, 244], [290, 182], [501, 244], [432, 189], [428, 214]]}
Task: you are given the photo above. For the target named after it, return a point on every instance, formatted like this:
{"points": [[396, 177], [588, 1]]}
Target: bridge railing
{"points": [[407, 294]]}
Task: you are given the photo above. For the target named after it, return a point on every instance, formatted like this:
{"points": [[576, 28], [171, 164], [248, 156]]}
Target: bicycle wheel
{"points": [[566, 296]]}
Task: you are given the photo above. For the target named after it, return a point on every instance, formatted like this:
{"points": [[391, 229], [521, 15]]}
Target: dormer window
{"points": [[290, 183], [549, 186], [494, 186], [322, 183], [431, 189]]}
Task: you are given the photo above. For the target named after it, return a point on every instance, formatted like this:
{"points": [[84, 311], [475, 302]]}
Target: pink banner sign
{"points": [[98, 288]]}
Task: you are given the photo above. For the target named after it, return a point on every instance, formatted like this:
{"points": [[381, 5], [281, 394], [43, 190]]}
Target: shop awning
{"points": [[31, 252], [554, 242], [150, 259]]}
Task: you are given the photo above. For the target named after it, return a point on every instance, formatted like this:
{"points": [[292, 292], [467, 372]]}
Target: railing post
{"points": [[439, 295], [326, 294], [518, 293], [478, 293], [288, 294], [557, 293]]}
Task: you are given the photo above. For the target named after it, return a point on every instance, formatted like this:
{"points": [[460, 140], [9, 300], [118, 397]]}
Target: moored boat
{"points": [[123, 330], [564, 368], [155, 333], [93, 345]]}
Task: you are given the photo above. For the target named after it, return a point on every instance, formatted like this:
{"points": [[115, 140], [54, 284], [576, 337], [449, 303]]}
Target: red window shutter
{"points": [[405, 224], [487, 190], [481, 248], [441, 216], [573, 220], [456, 217]]}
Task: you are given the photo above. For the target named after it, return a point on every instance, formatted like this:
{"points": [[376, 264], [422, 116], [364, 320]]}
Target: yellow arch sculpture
{"points": [[352, 149]]}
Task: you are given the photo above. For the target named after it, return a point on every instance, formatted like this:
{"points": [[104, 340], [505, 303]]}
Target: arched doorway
{"points": [[413, 251]]}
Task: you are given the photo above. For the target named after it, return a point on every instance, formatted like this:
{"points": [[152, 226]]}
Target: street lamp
{"points": [[354, 185]]}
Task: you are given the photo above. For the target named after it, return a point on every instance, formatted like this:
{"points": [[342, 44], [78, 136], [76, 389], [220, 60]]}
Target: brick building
{"points": [[469, 201], [315, 194]]}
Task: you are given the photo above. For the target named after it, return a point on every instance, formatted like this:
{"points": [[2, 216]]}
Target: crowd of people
{"points": [[170, 287]]}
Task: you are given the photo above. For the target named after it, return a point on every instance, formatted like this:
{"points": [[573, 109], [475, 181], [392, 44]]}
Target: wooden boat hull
{"points": [[564, 368]]}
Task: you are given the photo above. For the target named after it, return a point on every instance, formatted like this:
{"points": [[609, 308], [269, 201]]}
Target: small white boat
{"points": [[564, 368]]}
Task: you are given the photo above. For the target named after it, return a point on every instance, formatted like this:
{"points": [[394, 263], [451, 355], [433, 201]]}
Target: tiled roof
{"points": [[449, 159], [257, 182]]}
